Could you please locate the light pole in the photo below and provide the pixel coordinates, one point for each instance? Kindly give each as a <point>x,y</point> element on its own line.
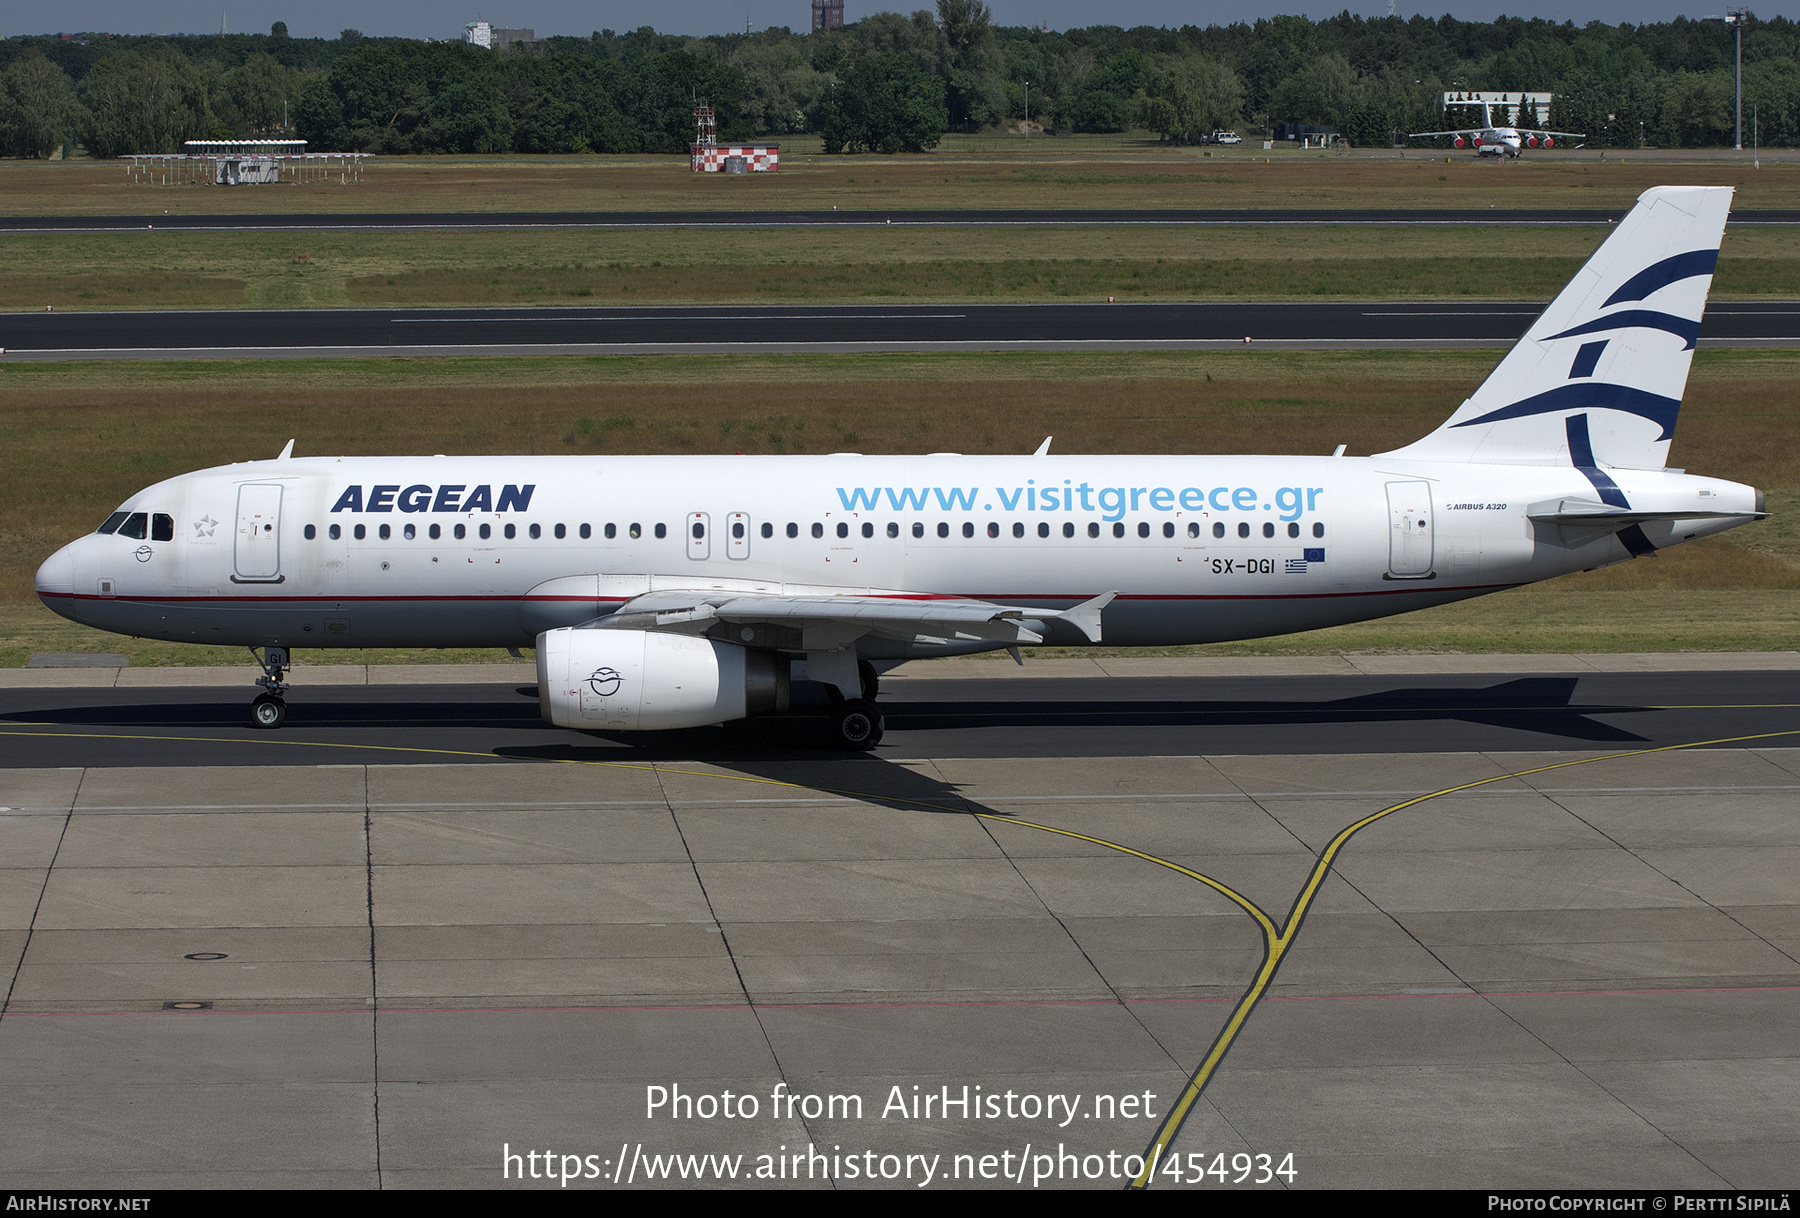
<point>1734,17</point>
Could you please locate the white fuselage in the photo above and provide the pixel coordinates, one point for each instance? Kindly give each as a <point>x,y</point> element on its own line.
<point>416,551</point>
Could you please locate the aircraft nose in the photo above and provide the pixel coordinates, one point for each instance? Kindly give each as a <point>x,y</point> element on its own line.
<point>56,580</point>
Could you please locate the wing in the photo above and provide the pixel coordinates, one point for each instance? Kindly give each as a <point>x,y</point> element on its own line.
<point>829,622</point>
<point>1561,135</point>
<point>1419,135</point>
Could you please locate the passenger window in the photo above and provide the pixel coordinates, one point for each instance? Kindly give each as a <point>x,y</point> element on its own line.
<point>487,531</point>
<point>893,529</point>
<point>636,530</point>
<point>611,531</point>
<point>1043,530</point>
<point>437,531</point>
<point>334,532</point>
<point>136,525</point>
<point>943,528</point>
<point>843,530</point>
<point>587,531</point>
<point>112,522</point>
<point>793,530</point>
<point>918,528</point>
<point>1268,530</point>
<point>1318,530</point>
<point>699,530</point>
<point>1219,528</point>
<point>1093,529</point>
<point>1243,530</point>
<point>309,532</point>
<point>993,528</point>
<point>562,531</point>
<point>512,531</point>
<point>868,529</point>
<point>386,532</point>
<point>1293,530</point>
<point>410,532</point>
<point>737,530</point>
<point>1018,530</point>
<point>1119,529</point>
<point>662,531</point>
<point>818,530</point>
<point>1168,529</point>
<point>768,530</point>
<point>1068,528</point>
<point>1193,528</point>
<point>1143,528</point>
<point>361,532</point>
<point>162,527</point>
<point>461,531</point>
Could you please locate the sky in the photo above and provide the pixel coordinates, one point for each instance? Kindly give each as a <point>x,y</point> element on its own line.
<point>432,19</point>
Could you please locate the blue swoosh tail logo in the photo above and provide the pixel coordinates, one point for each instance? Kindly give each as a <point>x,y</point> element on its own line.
<point>1662,274</point>
<point>1591,396</point>
<point>1648,319</point>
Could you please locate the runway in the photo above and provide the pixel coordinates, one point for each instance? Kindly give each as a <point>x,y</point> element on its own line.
<point>947,218</point>
<point>1465,930</point>
<point>815,328</point>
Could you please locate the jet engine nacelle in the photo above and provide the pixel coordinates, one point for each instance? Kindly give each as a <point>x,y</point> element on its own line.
<point>1459,141</point>
<point>1549,142</point>
<point>1478,141</point>
<point>1531,142</point>
<point>640,680</point>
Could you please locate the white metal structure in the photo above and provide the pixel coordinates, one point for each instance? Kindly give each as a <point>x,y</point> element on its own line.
<point>643,619</point>
<point>1493,139</point>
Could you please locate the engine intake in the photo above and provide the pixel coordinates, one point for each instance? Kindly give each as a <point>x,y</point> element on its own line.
<point>640,680</point>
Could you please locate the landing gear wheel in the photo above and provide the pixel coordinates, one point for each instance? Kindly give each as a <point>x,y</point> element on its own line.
<point>268,711</point>
<point>856,725</point>
<point>871,680</point>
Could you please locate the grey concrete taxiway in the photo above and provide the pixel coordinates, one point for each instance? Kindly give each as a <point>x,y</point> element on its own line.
<point>340,966</point>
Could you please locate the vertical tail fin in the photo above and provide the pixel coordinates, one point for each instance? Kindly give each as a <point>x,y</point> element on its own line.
<point>1614,347</point>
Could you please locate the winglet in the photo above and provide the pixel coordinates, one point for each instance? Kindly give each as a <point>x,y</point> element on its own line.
<point>1043,450</point>
<point>1086,616</point>
<point>286,452</point>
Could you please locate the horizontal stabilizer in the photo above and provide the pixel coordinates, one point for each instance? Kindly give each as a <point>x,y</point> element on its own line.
<point>1595,514</point>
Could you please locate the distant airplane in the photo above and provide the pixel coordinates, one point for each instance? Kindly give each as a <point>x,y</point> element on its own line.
<point>1501,141</point>
<point>672,592</point>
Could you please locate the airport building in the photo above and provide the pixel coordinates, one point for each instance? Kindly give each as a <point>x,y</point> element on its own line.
<point>827,15</point>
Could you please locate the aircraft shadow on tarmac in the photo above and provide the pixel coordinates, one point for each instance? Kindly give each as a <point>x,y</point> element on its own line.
<point>1539,705</point>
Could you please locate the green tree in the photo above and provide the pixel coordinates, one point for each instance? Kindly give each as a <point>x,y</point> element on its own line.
<point>1188,98</point>
<point>884,103</point>
<point>972,86</point>
<point>37,107</point>
<point>143,101</point>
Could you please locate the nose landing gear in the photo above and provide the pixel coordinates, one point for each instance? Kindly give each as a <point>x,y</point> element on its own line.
<point>269,709</point>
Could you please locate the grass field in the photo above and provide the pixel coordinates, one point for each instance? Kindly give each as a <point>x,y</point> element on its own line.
<point>76,439</point>
<point>1055,173</point>
<point>170,270</point>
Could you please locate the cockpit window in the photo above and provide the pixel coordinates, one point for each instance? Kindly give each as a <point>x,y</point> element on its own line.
<point>113,522</point>
<point>136,525</point>
<point>162,527</point>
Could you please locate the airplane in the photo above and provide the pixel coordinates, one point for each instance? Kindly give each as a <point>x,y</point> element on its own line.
<point>1501,141</point>
<point>677,591</point>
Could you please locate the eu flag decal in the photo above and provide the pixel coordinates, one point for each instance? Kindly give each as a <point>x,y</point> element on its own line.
<point>1317,555</point>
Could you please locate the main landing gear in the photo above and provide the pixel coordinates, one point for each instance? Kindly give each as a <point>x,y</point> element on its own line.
<point>269,709</point>
<point>856,723</point>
